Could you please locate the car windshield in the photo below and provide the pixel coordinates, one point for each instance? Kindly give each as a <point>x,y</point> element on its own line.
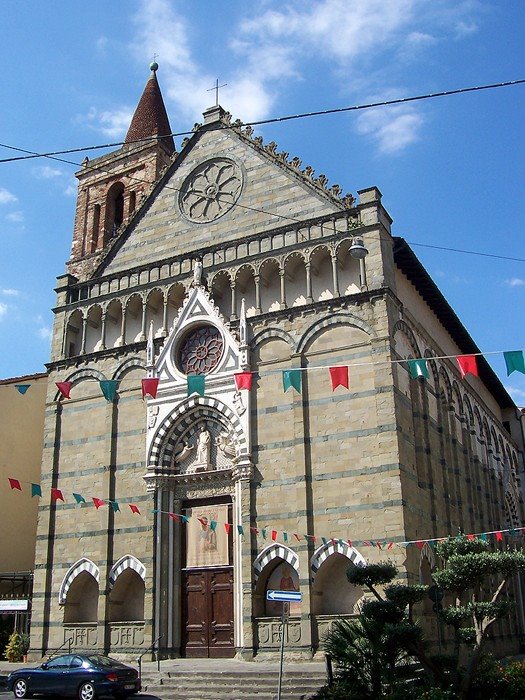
<point>103,661</point>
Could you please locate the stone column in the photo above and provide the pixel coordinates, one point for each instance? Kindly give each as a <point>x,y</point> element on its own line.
<point>83,341</point>
<point>242,560</point>
<point>308,268</point>
<point>283,290</point>
<point>122,340</point>
<point>233,314</point>
<point>362,274</point>
<point>334,274</point>
<point>257,280</point>
<point>103,332</point>
<point>143,328</point>
<point>164,329</point>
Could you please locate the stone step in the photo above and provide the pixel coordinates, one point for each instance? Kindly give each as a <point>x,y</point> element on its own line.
<point>228,685</point>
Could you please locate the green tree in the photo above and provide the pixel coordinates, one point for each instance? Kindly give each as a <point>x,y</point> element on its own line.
<point>477,578</point>
<point>373,651</point>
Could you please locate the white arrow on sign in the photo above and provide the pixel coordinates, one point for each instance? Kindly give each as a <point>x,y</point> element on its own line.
<point>285,596</point>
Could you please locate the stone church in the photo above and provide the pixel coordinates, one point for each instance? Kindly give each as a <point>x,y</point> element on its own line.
<point>227,260</point>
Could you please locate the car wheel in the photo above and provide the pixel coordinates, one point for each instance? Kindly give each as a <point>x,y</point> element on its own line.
<point>20,689</point>
<point>87,691</point>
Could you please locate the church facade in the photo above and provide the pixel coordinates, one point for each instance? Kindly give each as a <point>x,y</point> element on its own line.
<point>236,278</point>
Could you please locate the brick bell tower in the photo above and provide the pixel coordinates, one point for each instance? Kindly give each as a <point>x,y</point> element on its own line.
<point>111,187</point>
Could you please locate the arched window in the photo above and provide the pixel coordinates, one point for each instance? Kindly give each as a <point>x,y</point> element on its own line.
<point>276,568</point>
<point>114,210</point>
<point>79,592</point>
<point>332,594</point>
<point>126,599</point>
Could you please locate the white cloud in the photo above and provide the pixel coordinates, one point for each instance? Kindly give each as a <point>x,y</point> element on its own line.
<point>392,128</point>
<point>517,394</point>
<point>3,310</point>
<point>44,332</point>
<point>71,189</point>
<point>46,172</point>
<point>15,217</point>
<point>6,197</point>
<point>10,292</point>
<point>112,123</point>
<point>515,282</point>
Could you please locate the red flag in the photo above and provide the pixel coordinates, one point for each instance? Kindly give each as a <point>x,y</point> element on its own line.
<point>14,484</point>
<point>470,537</point>
<point>98,502</point>
<point>467,364</point>
<point>420,544</point>
<point>390,545</point>
<point>243,380</point>
<point>56,495</point>
<point>64,388</point>
<point>150,386</point>
<point>174,516</point>
<point>499,536</point>
<point>339,377</point>
<point>296,536</point>
<point>134,508</point>
<point>349,543</point>
<point>274,535</point>
<point>227,527</point>
<point>203,522</point>
<point>254,530</point>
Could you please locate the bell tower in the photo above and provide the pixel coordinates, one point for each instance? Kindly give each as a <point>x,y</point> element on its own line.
<point>111,187</point>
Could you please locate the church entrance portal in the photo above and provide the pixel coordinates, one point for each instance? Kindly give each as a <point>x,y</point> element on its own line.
<point>207,583</point>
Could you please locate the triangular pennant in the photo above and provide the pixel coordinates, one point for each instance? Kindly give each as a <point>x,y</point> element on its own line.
<point>98,502</point>
<point>134,508</point>
<point>418,369</point>
<point>499,536</point>
<point>254,530</point>
<point>514,361</point>
<point>296,536</point>
<point>292,377</point>
<point>338,377</point>
<point>390,545</point>
<point>213,525</point>
<point>56,495</point>
<point>78,498</point>
<point>36,490</point>
<point>349,543</point>
<point>149,387</point>
<point>174,516</point>
<point>14,484</point>
<point>203,522</point>
<point>285,536</point>
<point>115,506</point>
<point>324,540</point>
<point>274,535</point>
<point>263,533</point>
<point>196,384</point>
<point>483,536</point>
<point>243,380</point>
<point>470,537</point>
<point>467,365</point>
<point>22,388</point>
<point>420,544</point>
<point>240,529</point>
<point>109,388</point>
<point>184,518</point>
<point>64,388</point>
<point>227,527</point>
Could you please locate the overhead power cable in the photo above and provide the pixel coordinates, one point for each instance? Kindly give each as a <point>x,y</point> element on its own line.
<point>273,120</point>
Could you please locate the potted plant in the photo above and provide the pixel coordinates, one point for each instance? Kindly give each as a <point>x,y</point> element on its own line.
<point>13,651</point>
<point>25,646</point>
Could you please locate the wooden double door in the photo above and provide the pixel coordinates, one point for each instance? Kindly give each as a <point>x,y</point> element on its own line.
<point>207,612</point>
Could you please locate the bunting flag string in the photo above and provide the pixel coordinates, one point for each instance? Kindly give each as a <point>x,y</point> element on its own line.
<point>292,378</point>
<point>57,495</point>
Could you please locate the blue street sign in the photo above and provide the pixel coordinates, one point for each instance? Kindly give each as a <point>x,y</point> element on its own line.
<point>285,596</point>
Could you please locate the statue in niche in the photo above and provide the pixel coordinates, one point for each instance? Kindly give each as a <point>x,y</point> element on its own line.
<point>226,445</point>
<point>203,447</point>
<point>197,273</point>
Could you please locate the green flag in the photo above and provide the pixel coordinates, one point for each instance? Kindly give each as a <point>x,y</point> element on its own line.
<point>292,377</point>
<point>109,388</point>
<point>78,498</point>
<point>115,506</point>
<point>418,368</point>
<point>36,490</point>
<point>196,383</point>
<point>514,361</point>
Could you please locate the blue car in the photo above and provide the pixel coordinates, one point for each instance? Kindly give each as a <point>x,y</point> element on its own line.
<point>85,676</point>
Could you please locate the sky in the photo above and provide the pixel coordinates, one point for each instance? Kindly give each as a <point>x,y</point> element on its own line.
<point>450,169</point>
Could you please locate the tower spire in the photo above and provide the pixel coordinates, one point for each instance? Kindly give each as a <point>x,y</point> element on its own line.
<point>150,118</point>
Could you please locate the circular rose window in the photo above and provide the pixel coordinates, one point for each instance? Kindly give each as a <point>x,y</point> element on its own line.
<point>200,351</point>
<point>211,190</point>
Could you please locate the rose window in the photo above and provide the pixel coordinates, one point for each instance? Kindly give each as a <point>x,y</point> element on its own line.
<point>211,190</point>
<point>201,350</point>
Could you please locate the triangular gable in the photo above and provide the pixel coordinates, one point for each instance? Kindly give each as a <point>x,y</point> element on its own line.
<point>197,310</point>
<point>272,193</point>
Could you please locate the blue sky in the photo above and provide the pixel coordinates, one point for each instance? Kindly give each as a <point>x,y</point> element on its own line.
<point>450,169</point>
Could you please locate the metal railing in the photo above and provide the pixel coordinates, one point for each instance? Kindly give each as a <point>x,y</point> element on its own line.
<point>150,648</point>
<point>68,641</point>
